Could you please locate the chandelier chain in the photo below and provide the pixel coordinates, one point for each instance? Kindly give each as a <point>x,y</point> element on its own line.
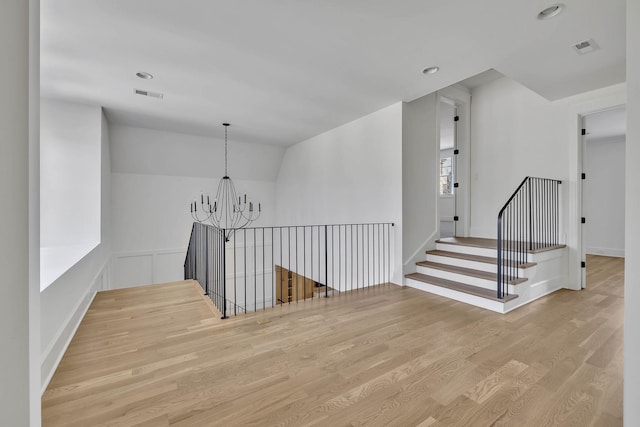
<point>226,126</point>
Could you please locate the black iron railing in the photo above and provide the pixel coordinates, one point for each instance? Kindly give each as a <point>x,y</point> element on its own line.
<point>205,262</point>
<point>529,221</point>
<point>258,268</point>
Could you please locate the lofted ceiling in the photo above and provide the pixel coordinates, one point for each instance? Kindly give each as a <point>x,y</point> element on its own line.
<point>282,71</point>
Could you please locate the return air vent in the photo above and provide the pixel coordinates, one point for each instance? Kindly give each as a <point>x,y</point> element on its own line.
<point>147,93</point>
<point>585,46</point>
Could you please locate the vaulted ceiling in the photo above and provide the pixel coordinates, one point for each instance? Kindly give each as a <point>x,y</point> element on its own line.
<point>282,71</point>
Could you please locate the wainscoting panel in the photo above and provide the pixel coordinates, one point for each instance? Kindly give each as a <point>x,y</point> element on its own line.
<point>147,267</point>
<point>169,266</point>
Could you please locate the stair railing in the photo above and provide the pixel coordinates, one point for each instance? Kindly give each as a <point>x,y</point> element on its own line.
<point>205,262</point>
<point>528,222</point>
<point>261,267</point>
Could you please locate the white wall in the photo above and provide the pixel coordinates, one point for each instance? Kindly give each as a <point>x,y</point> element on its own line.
<point>632,246</point>
<point>420,171</point>
<point>518,133</point>
<point>69,149</point>
<point>65,301</point>
<point>14,223</point>
<point>155,152</point>
<point>156,175</point>
<point>34,213</point>
<point>351,174</point>
<point>604,196</point>
<point>152,223</point>
<point>69,185</point>
<point>515,133</point>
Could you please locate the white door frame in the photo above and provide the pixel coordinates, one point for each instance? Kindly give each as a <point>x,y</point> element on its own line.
<point>462,100</point>
<point>581,186</point>
<point>613,97</point>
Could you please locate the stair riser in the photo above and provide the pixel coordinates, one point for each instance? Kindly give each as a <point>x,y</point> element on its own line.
<point>457,277</point>
<point>475,265</point>
<point>469,250</point>
<point>457,262</point>
<point>488,304</point>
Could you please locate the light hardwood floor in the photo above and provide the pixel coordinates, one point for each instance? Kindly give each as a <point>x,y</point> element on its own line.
<point>157,356</point>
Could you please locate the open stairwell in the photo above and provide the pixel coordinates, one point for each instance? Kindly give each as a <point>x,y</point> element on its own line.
<point>465,269</point>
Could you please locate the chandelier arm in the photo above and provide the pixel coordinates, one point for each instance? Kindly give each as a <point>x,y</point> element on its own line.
<point>205,208</point>
<point>250,215</point>
<point>238,207</point>
<point>227,216</point>
<point>234,195</point>
<point>216,218</point>
<point>196,217</point>
<point>231,218</point>
<point>246,222</point>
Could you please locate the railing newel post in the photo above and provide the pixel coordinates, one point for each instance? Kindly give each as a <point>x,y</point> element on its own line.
<point>223,242</point>
<point>326,264</point>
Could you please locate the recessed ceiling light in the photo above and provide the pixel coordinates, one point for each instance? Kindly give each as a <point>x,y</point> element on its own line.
<point>144,75</point>
<point>430,70</point>
<point>551,11</point>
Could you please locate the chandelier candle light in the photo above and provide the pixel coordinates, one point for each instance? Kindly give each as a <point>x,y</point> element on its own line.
<point>228,210</point>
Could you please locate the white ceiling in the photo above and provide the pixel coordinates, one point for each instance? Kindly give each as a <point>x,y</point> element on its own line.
<point>281,71</point>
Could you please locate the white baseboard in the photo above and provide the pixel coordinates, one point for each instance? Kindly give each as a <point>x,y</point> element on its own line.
<point>52,355</point>
<point>606,252</point>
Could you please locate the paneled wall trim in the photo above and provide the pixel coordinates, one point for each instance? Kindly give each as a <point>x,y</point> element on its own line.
<point>147,267</point>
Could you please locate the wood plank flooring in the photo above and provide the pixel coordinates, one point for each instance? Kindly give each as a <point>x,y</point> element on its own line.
<point>158,356</point>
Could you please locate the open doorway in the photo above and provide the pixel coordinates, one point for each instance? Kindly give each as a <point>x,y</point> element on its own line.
<point>603,189</point>
<point>454,162</point>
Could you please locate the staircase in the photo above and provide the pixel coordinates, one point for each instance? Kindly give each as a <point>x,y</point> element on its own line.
<point>465,269</point>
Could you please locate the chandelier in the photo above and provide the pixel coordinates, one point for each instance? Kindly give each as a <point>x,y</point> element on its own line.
<point>228,210</point>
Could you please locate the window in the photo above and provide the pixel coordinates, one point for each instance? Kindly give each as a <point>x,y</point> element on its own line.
<point>446,176</point>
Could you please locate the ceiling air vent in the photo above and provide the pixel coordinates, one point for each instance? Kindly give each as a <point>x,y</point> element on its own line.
<point>585,46</point>
<point>147,93</point>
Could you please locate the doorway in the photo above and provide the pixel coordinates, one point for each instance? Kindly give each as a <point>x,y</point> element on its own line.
<point>447,167</point>
<point>454,162</point>
<point>603,186</point>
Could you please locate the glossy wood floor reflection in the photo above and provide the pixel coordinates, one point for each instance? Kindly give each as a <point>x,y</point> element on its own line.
<point>155,356</point>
